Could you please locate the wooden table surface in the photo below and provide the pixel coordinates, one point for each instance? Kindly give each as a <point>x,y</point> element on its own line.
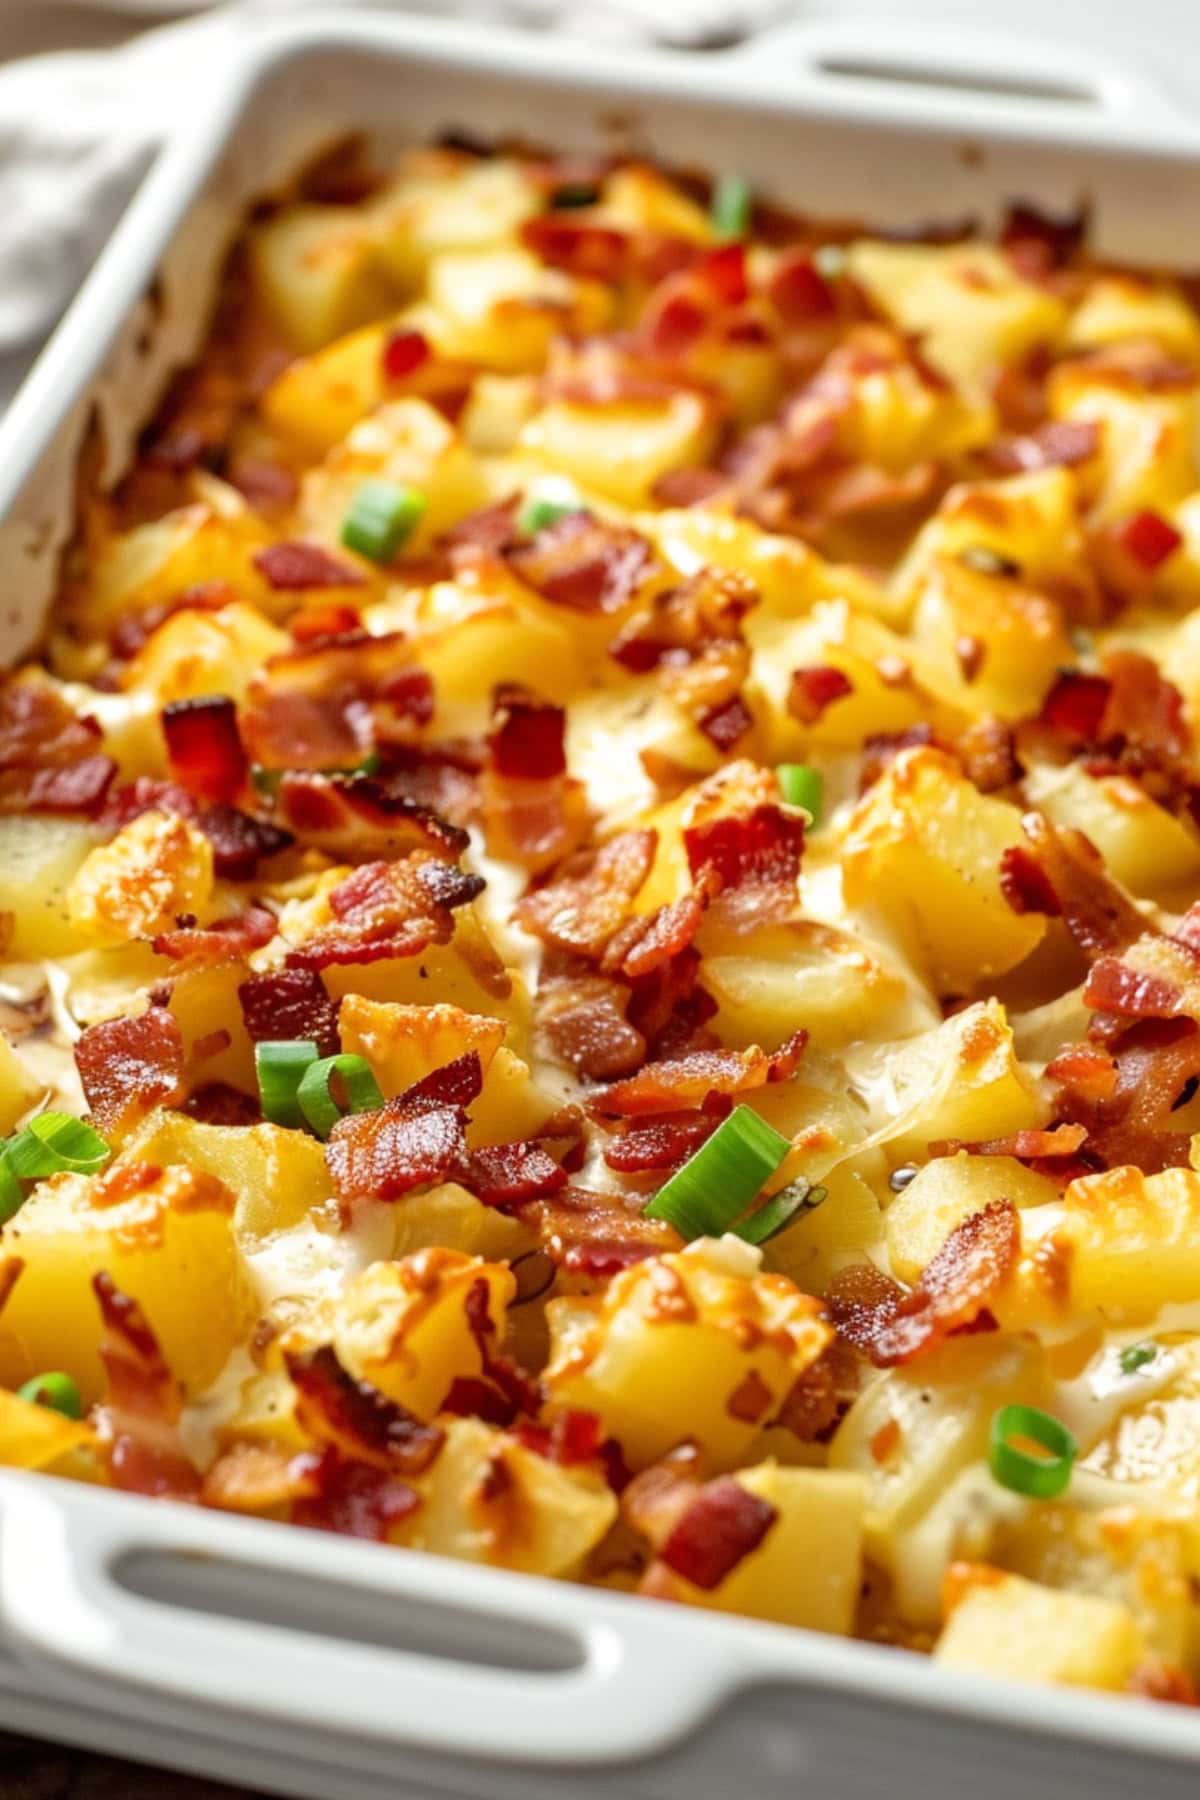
<point>33,1771</point>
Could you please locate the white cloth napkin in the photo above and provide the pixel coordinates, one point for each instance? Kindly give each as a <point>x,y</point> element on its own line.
<point>78,129</point>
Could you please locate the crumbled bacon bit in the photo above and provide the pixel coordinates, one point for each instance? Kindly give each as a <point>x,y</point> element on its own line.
<point>1086,1072</point>
<point>204,747</point>
<point>471,1397</point>
<point>648,941</point>
<point>291,567</point>
<point>220,1104</point>
<point>572,1437</point>
<point>659,1143</point>
<point>593,252</point>
<point>364,815</point>
<point>225,940</point>
<point>1037,243</point>
<point>389,910</point>
<point>1025,1146</point>
<point>528,736</point>
<point>798,291</point>
<point>533,811</point>
<point>591,894</point>
<point>688,1081</point>
<point>329,619</point>
<point>749,858</point>
<point>268,487</point>
<point>139,1423</point>
<point>1159,1680</point>
<point>723,1524</point>
<point>584,563</point>
<point>48,755</point>
<point>356,1418</point>
<point>507,1174</point>
<point>506,1374</point>
<point>240,841</point>
<point>128,1065</point>
<point>403,351</point>
<point>583,1020</point>
<point>325,705</point>
<point>290,1004</point>
<point>416,1138</point>
<point>725,724</point>
<point>1149,538</point>
<point>355,1500</point>
<point>815,689</point>
<point>1061,443</point>
<point>1063,873</point>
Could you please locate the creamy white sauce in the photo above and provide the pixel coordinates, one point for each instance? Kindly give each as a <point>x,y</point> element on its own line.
<point>317,1264</point>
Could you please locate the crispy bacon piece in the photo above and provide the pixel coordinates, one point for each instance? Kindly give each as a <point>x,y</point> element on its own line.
<point>813,690</point>
<point>356,1418</point>
<point>1076,705</point>
<point>128,1065</point>
<point>660,1143</point>
<point>746,849</point>
<point>1144,708</point>
<point>290,1003</point>
<point>355,1500</point>
<point>583,1021</point>
<point>240,841</point>
<point>403,351</point>
<point>797,290</point>
<point>572,1438</point>
<point>225,940</point>
<point>1157,1063</point>
<point>49,759</point>
<point>488,532</point>
<point>584,563</point>
<point>325,705</point>
<point>1025,1146</point>
<point>595,252</point>
<point>955,1290</point>
<point>533,811</point>
<point>723,725</point>
<point>597,1235</point>
<point>820,1396</point>
<point>692,635</point>
<point>389,910</point>
<point>591,894</point>
<point>685,1082</point>
<point>472,1397</point>
<point>415,1138</point>
<point>289,567</point>
<point>139,1423</point>
<point>1085,1072</point>
<point>505,1175</point>
<point>363,815</point>
<point>253,1477</point>
<point>1149,538</point>
<point>1064,874</point>
<point>1159,1680</point>
<point>1060,443</point>
<point>723,1524</point>
<point>1037,243</point>
<point>648,941</point>
<point>328,619</point>
<point>204,747</point>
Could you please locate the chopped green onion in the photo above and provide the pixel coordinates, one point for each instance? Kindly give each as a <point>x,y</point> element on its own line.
<point>780,1210</point>
<point>1040,1477</point>
<point>717,1183</point>
<point>802,785</point>
<point>315,1095</point>
<point>731,206</point>
<point>1135,1356</point>
<point>55,1390</point>
<point>266,781</point>
<point>536,515</point>
<point>382,514</point>
<point>573,194</point>
<point>52,1142</point>
<point>12,1194</point>
<point>829,260</point>
<point>369,765</point>
<point>279,1064</point>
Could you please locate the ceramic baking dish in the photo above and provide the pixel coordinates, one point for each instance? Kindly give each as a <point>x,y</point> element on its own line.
<point>305,1664</point>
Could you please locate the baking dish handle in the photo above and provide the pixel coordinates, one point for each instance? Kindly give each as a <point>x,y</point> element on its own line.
<point>925,68</point>
<point>128,1599</point>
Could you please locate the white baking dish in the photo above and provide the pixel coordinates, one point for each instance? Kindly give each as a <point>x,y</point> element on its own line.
<point>309,1665</point>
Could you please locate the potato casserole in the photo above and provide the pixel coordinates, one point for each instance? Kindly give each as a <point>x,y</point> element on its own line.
<point>596,880</point>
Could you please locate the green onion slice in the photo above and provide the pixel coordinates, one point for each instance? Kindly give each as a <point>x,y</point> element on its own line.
<point>536,515</point>
<point>574,194</point>
<point>382,514</point>
<point>265,781</point>
<point>279,1064</point>
<point>1025,1472</point>
<point>315,1094</point>
<point>802,785</point>
<point>52,1142</point>
<point>731,206</point>
<point>780,1210</point>
<point>55,1390</point>
<point>716,1184</point>
<point>1135,1356</point>
<point>12,1195</point>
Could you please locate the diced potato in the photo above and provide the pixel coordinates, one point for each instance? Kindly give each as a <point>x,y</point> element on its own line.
<point>621,450</point>
<point>403,1326</point>
<point>847,1227</point>
<point>403,1044</point>
<point>317,269</point>
<point>1132,1241</point>
<point>1015,639</point>
<point>498,407</point>
<point>156,562</point>
<point>1030,520</point>
<point>782,1579</point>
<point>39,858</point>
<point>194,654</point>
<point>317,400</point>
<point>440,203</point>
<point>1006,1626</point>
<point>1146,848</point>
<point>33,1436</point>
<point>960,1080</point>
<point>278,1178</point>
<point>169,1244</point>
<point>1147,454</point>
<point>924,847</point>
<point>488,1499</point>
<point>216,1044</point>
<point>502,306</point>
<point>157,866</point>
<point>662,1351</point>
<point>803,973</point>
<point>947,1191</point>
<point>19,1086</point>
<point>1117,307</point>
<point>640,198</point>
<point>789,575</point>
<point>973,312</point>
<point>407,442</point>
<point>912,1429</point>
<point>448,1215</point>
<point>898,418</point>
